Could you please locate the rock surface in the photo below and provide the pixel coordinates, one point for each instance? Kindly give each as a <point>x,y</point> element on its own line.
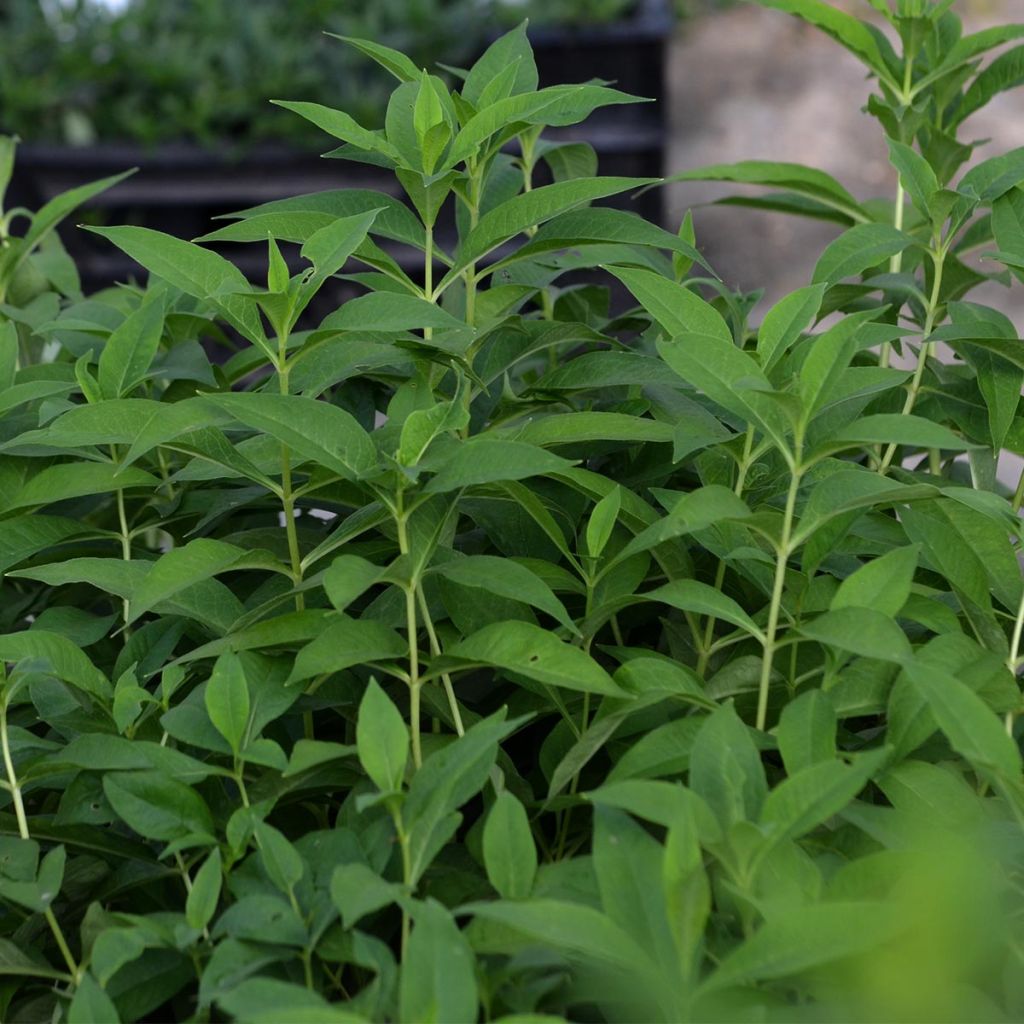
<point>750,83</point>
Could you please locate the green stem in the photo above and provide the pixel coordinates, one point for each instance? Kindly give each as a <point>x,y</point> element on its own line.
<point>62,945</point>
<point>1013,661</point>
<point>411,630</point>
<point>938,259</point>
<point>784,551</point>
<point>23,832</point>
<point>287,491</point>
<point>704,654</point>
<point>435,650</point>
<point>12,778</point>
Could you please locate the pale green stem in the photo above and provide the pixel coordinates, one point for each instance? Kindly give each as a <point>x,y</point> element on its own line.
<point>1013,661</point>
<point>709,630</point>
<point>23,832</point>
<point>12,778</point>
<point>287,492</point>
<point>774,609</point>
<point>411,629</point>
<point>922,358</point>
<point>435,649</point>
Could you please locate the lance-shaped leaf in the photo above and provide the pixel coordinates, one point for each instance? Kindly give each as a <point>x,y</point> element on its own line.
<point>528,650</point>
<point>531,208</point>
<point>130,349</point>
<point>316,431</point>
<point>195,271</point>
<point>484,460</point>
<point>803,181</point>
<point>861,247</point>
<point>506,578</point>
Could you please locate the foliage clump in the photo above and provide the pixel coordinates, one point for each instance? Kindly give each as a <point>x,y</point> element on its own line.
<point>536,638</point>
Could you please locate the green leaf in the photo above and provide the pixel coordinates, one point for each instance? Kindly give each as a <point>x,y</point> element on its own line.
<point>1005,72</point>
<point>182,568</point>
<point>799,938</point>
<point>883,583</point>
<point>482,460</point>
<point>76,480</point>
<point>48,216</point>
<point>511,49</point>
<point>393,60</point>
<point>63,657</point>
<point>901,428</point>
<point>626,858</point>
<point>804,181</point>
<point>91,1004</point>
<point>530,651</point>
<point>814,794</point>
<point>203,897</point>
<point>341,126</point>
<point>382,739</point>
<point>345,642</point>
<point>602,522</point>
<point>282,862</point>
<point>194,270</point>
<point>227,700</point>
<point>572,929</point>
<point>510,856</point>
<point>678,309</point>
<point>438,980</point>
<point>866,632</point>
<point>532,208</point>
<point>129,351</point>
<point>916,175</point>
<point>297,218</point>
<point>554,106</point>
<point>156,806</point>
<point>580,427</point>
<point>786,321</point>
<point>358,891</point>
<point>973,729</point>
<point>694,596</point>
<point>807,731</point>
<point>315,431</point>
<point>858,249</point>
<point>729,378</point>
<point>389,312</point>
<point>725,768</point>
<point>846,30</point>
<point>597,225</point>
<point>506,578</point>
<point>447,780</point>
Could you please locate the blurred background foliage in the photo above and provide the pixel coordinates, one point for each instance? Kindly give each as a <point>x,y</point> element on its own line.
<point>155,71</point>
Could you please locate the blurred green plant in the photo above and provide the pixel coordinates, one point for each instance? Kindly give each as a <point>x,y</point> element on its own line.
<point>151,72</point>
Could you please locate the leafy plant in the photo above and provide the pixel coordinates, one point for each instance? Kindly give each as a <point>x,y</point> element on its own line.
<point>153,72</point>
<point>488,650</point>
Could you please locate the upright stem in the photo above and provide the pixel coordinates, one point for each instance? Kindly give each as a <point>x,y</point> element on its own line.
<point>470,271</point>
<point>938,259</point>
<point>12,778</point>
<point>784,551</point>
<point>709,630</point>
<point>126,544</point>
<point>411,629</point>
<point>435,649</point>
<point>1013,661</point>
<point>287,493</point>
<point>23,832</point>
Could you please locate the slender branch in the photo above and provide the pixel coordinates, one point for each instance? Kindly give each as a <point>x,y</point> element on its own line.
<point>785,549</point>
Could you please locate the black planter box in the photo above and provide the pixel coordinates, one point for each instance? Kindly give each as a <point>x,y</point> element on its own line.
<point>179,187</point>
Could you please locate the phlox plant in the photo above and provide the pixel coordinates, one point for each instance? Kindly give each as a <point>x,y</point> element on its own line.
<point>552,633</point>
